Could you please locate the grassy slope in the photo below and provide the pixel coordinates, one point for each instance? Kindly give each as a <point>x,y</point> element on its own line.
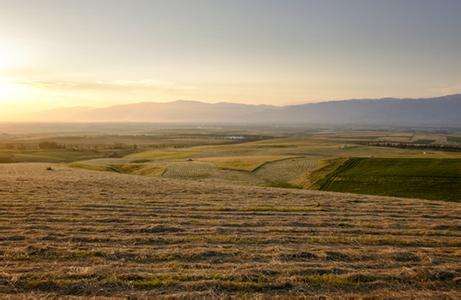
<point>244,163</point>
<point>9,156</point>
<point>404,177</point>
<point>160,155</point>
<point>77,232</point>
<point>289,172</point>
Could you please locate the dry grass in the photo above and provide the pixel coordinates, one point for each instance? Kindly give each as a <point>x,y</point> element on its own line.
<point>161,155</point>
<point>189,170</point>
<point>295,171</point>
<point>78,232</point>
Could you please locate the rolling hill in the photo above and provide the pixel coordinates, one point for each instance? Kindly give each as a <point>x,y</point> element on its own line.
<point>68,232</point>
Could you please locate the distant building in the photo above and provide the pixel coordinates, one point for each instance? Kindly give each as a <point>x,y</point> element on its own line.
<point>236,137</point>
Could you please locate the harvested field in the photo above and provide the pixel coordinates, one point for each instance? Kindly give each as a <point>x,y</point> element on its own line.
<point>244,163</point>
<point>78,232</point>
<point>294,171</point>
<point>189,170</point>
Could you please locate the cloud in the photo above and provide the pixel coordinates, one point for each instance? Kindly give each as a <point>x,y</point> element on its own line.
<point>123,85</point>
<point>449,89</point>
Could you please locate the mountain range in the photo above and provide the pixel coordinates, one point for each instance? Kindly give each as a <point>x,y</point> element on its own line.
<point>437,111</point>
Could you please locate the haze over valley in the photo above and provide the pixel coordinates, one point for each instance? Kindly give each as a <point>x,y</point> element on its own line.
<point>439,111</point>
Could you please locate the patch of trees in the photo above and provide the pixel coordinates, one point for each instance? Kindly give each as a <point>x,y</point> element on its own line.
<point>404,145</point>
<point>15,146</point>
<point>47,145</point>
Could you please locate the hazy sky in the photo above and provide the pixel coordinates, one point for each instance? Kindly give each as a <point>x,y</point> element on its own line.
<point>96,53</point>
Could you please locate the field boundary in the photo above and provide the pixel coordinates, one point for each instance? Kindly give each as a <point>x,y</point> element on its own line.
<point>348,164</point>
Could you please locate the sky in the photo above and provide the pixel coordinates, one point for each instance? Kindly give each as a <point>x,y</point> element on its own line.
<point>65,53</point>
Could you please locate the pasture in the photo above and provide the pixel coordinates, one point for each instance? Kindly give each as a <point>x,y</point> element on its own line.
<point>427,178</point>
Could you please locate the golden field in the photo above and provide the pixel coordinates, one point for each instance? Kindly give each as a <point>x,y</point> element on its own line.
<point>74,232</point>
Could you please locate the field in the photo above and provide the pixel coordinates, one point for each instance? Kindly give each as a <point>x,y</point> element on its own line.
<point>57,155</point>
<point>289,172</point>
<point>310,162</point>
<point>427,178</point>
<point>454,139</point>
<point>393,163</point>
<point>70,231</point>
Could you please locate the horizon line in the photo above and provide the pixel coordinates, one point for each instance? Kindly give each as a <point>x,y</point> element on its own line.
<point>262,104</point>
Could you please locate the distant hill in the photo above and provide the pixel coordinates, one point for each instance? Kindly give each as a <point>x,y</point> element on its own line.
<point>439,111</point>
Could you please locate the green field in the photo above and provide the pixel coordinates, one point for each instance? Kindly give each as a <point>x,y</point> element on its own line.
<point>454,139</point>
<point>427,178</point>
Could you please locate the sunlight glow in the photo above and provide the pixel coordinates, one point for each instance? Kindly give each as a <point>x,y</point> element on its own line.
<point>6,58</point>
<point>13,56</point>
<point>6,89</point>
<point>12,59</point>
<point>10,90</point>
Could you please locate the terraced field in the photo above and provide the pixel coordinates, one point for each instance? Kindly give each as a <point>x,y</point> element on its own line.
<point>78,232</point>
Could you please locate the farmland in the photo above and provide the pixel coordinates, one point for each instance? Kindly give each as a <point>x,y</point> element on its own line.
<point>304,162</point>
<point>179,214</point>
<point>12,156</point>
<point>69,231</point>
<point>404,177</point>
<point>266,157</point>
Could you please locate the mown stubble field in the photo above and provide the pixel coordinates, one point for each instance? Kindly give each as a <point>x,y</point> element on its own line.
<point>87,233</point>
